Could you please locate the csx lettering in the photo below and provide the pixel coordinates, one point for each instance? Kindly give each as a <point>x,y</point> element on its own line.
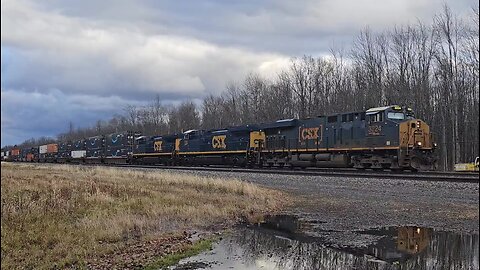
<point>309,133</point>
<point>157,146</point>
<point>218,142</point>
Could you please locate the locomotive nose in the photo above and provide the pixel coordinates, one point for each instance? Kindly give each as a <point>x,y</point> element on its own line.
<point>419,134</point>
<point>416,134</point>
<point>417,144</point>
<point>423,136</point>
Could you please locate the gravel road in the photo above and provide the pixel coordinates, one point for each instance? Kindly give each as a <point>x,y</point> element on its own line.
<point>348,204</point>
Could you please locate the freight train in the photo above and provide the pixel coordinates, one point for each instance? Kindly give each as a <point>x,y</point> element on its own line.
<point>389,137</point>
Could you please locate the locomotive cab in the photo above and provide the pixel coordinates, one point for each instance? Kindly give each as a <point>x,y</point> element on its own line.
<point>397,127</point>
<point>412,132</point>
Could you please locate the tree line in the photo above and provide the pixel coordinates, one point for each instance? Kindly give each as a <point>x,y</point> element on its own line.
<point>431,67</point>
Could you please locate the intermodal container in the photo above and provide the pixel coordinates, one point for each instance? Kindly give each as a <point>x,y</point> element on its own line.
<point>95,146</point>
<point>6,155</point>
<point>119,144</point>
<point>15,152</point>
<point>29,157</point>
<point>64,149</point>
<point>52,148</point>
<point>34,152</point>
<point>78,145</point>
<point>79,154</point>
<point>42,149</point>
<point>23,154</point>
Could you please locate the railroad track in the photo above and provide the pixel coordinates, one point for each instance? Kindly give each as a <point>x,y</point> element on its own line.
<point>343,172</point>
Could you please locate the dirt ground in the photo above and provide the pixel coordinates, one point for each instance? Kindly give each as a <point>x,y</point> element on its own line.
<point>349,204</point>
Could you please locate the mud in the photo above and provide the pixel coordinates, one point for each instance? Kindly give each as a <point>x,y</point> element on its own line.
<point>356,223</point>
<point>281,243</point>
<point>348,203</point>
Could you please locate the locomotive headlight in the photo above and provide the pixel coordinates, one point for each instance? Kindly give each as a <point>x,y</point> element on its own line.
<point>435,145</point>
<point>419,144</point>
<point>418,124</point>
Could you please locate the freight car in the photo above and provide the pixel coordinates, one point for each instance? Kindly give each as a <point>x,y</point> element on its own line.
<point>110,148</point>
<point>14,155</point>
<point>119,147</point>
<point>48,153</point>
<point>78,151</point>
<point>64,152</point>
<point>95,149</point>
<point>29,154</point>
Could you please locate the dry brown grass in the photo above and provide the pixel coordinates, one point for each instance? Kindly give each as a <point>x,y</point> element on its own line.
<point>55,216</point>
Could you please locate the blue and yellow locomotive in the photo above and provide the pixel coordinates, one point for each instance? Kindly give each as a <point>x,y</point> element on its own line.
<point>380,138</point>
<point>387,137</point>
<point>231,146</point>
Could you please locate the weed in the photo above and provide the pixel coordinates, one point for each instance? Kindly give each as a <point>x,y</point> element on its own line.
<point>59,216</point>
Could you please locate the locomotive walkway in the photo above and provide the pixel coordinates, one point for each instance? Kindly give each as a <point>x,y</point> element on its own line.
<point>338,172</point>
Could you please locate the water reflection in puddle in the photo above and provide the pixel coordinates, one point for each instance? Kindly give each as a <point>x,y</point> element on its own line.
<point>277,244</point>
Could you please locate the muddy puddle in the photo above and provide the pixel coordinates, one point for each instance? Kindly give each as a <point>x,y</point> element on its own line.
<point>284,242</point>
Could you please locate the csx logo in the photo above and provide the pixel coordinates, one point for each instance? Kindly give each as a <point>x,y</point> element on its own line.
<point>218,142</point>
<point>157,146</point>
<point>309,133</point>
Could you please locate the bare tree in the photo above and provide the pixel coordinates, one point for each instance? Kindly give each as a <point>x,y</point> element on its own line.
<point>433,68</point>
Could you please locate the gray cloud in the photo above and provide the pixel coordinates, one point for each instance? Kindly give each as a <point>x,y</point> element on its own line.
<point>78,55</point>
<point>34,114</point>
<point>287,27</point>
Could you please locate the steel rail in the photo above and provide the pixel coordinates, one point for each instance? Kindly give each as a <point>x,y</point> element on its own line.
<point>425,176</point>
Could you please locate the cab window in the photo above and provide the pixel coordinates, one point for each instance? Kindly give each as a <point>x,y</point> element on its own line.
<point>332,119</point>
<point>378,117</point>
<point>410,115</point>
<point>396,115</point>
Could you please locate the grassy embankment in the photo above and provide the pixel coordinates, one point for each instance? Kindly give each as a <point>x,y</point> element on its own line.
<point>59,216</point>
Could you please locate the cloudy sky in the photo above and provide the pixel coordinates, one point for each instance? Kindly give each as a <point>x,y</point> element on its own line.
<point>85,60</point>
